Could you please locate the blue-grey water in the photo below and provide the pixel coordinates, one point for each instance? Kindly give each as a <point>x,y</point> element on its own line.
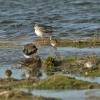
<point>93,94</point>
<point>69,18</point>
<point>69,94</point>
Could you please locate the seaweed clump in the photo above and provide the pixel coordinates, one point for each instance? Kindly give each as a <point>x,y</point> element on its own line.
<point>51,65</point>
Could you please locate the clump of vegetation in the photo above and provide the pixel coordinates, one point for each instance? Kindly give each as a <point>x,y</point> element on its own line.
<point>91,72</point>
<point>49,61</point>
<point>70,59</point>
<point>51,64</point>
<point>76,65</point>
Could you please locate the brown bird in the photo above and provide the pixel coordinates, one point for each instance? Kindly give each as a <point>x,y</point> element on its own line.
<point>29,50</point>
<point>8,73</point>
<point>32,62</point>
<point>42,30</point>
<point>53,42</point>
<point>33,65</point>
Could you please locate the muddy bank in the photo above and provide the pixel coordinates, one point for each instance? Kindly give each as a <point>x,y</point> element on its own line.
<point>9,44</point>
<point>64,82</point>
<point>53,82</point>
<point>9,89</point>
<point>15,95</point>
<point>83,42</point>
<point>80,43</point>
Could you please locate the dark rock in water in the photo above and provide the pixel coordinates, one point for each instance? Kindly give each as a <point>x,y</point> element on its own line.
<point>30,49</point>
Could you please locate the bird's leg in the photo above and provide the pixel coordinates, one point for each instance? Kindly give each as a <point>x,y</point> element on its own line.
<point>57,54</point>
<point>42,40</point>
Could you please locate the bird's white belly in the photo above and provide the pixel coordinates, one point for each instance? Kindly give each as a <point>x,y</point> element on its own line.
<point>88,65</point>
<point>53,44</point>
<point>39,33</point>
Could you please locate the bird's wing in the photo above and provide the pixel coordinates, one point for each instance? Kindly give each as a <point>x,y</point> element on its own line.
<point>45,30</point>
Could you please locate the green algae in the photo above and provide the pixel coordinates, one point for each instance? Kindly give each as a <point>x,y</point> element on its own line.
<point>51,64</point>
<point>56,81</point>
<point>9,44</point>
<point>64,82</point>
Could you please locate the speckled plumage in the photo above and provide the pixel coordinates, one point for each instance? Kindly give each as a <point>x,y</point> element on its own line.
<point>32,62</point>
<point>29,49</point>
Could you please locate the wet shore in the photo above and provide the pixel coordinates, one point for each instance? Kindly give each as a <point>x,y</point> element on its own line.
<point>64,78</point>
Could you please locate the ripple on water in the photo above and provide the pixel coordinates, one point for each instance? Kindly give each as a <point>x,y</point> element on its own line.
<point>70,15</point>
<point>9,55</point>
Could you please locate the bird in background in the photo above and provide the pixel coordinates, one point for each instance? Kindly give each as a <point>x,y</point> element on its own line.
<point>43,31</point>
<point>53,42</point>
<point>46,31</point>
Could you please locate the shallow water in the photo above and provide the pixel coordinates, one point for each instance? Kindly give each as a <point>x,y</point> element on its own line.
<point>66,51</point>
<point>68,94</point>
<point>84,78</point>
